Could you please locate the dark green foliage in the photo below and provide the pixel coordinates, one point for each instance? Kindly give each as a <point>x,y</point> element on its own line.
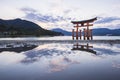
<point>20,27</point>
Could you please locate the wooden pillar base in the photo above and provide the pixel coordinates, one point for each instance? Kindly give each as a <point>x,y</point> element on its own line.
<point>73,34</point>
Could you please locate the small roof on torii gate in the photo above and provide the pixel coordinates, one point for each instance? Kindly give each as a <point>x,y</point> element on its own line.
<point>84,21</point>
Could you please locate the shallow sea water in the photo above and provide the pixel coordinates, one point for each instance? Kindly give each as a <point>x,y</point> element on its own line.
<point>57,61</point>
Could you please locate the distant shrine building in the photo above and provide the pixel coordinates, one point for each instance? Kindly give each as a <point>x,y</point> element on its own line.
<point>83,26</point>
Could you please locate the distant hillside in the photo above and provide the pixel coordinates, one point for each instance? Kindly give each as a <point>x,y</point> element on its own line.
<point>19,27</point>
<point>96,32</point>
<point>105,31</point>
<point>62,31</point>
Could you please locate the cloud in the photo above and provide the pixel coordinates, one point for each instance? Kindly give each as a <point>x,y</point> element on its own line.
<point>67,11</point>
<point>8,12</point>
<point>48,21</point>
<point>41,18</point>
<point>107,19</point>
<point>28,10</point>
<point>112,22</point>
<point>34,15</point>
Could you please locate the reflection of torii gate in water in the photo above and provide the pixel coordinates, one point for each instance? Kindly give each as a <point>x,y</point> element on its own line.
<point>87,32</point>
<point>81,47</point>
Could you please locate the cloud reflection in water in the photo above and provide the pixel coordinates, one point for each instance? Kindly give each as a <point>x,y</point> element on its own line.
<point>58,59</point>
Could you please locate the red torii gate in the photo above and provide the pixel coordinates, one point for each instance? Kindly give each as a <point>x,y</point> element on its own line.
<point>87,32</point>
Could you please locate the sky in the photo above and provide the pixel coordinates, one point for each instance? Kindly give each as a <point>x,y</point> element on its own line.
<point>51,14</point>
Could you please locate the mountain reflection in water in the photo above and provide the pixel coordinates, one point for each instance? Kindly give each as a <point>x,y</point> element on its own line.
<point>56,61</point>
<point>17,48</point>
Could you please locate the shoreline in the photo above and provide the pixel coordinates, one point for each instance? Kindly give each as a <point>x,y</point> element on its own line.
<point>59,41</point>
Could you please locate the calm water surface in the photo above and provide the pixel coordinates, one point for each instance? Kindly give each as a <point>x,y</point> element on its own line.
<point>57,61</point>
<point>62,38</point>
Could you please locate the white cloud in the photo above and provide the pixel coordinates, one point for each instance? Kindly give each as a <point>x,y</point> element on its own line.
<point>108,22</point>
<point>46,21</point>
<point>45,12</point>
<point>10,13</point>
